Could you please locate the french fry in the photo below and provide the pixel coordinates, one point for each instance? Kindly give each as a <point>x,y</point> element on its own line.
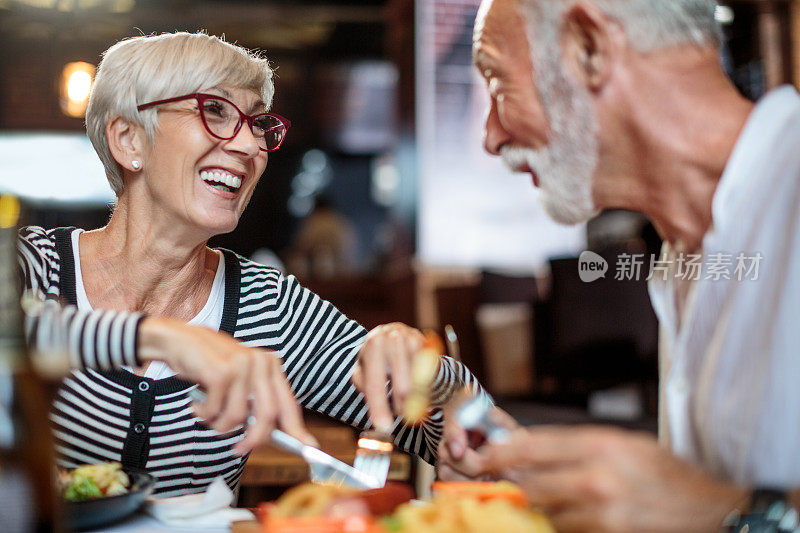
<point>448,513</point>
<point>308,499</point>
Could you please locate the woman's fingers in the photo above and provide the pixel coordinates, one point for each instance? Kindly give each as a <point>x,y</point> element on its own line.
<point>399,355</point>
<point>387,355</point>
<point>372,359</point>
<point>214,381</point>
<point>264,404</point>
<point>290,415</point>
<point>241,384</point>
<point>235,410</point>
<point>273,404</point>
<point>198,354</point>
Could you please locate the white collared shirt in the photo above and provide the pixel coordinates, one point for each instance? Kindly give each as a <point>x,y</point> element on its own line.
<point>730,349</point>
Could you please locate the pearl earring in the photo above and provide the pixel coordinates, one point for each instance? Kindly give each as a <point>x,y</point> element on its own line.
<point>136,164</point>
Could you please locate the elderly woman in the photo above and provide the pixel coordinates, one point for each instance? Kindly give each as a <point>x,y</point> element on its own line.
<point>181,124</point>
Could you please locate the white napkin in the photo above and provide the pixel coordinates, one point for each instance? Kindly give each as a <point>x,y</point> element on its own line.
<point>210,509</point>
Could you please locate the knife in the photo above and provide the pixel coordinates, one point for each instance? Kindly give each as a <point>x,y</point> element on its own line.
<point>324,468</point>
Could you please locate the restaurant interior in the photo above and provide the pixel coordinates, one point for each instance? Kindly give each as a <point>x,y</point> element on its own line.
<point>381,200</point>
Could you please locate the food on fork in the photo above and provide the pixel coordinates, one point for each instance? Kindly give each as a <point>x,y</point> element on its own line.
<point>424,368</point>
<point>89,482</point>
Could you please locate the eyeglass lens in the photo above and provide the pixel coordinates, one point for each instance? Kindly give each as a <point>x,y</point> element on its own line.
<point>221,119</point>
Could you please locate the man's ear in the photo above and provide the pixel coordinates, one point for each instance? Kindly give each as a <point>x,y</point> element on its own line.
<point>126,141</point>
<point>588,44</point>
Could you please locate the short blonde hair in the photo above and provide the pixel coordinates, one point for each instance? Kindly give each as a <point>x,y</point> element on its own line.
<point>143,69</point>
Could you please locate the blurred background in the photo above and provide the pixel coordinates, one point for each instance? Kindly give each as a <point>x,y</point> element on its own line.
<point>381,198</point>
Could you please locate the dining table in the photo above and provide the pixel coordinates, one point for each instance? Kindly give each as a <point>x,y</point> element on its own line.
<point>270,471</point>
<point>144,523</point>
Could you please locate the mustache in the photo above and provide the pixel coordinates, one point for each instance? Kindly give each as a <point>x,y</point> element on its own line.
<point>523,159</point>
<point>519,158</point>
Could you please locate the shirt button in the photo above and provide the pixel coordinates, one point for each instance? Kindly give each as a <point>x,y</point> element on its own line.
<point>138,428</point>
<point>144,386</point>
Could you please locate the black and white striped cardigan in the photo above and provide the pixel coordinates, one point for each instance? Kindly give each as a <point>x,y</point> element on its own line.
<point>103,412</point>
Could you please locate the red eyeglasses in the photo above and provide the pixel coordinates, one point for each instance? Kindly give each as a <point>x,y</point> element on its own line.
<point>223,120</point>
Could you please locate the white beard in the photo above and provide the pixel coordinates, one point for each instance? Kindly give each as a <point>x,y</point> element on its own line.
<point>564,166</point>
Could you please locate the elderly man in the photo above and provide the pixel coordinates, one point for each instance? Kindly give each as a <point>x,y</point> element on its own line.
<point>623,104</point>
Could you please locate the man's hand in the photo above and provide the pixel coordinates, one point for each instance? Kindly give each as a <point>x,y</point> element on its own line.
<point>458,458</point>
<point>230,374</point>
<point>387,355</point>
<point>603,479</point>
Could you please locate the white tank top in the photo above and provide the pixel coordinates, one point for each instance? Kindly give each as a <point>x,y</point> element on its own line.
<point>209,316</point>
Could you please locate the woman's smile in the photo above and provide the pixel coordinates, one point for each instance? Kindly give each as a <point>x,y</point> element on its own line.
<point>223,181</point>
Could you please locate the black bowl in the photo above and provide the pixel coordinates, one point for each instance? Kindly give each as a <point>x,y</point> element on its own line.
<point>103,511</point>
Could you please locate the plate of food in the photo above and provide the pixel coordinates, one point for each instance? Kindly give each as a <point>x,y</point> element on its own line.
<point>456,507</point>
<point>100,494</point>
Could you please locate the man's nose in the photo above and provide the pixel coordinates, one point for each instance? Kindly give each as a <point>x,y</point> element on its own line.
<point>494,135</point>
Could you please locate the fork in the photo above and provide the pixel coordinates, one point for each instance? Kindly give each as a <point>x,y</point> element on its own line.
<point>454,351</point>
<point>473,415</point>
<point>325,468</point>
<point>473,412</point>
<point>450,337</point>
<point>374,453</point>
<point>373,456</point>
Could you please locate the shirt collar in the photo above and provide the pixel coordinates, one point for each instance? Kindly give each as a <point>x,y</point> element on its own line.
<point>760,133</point>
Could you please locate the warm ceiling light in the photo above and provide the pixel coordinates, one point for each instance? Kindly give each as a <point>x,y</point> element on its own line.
<point>79,85</point>
<point>76,85</point>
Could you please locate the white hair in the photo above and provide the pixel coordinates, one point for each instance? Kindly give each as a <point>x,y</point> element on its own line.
<point>566,164</point>
<point>648,24</point>
<point>144,69</point>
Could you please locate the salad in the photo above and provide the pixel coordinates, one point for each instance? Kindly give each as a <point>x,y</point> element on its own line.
<point>88,482</point>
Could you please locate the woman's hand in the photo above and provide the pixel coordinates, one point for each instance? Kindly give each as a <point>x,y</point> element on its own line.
<point>386,356</point>
<point>604,479</point>
<point>230,375</point>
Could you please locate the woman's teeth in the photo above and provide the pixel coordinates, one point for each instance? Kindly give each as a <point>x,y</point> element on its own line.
<point>223,181</point>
